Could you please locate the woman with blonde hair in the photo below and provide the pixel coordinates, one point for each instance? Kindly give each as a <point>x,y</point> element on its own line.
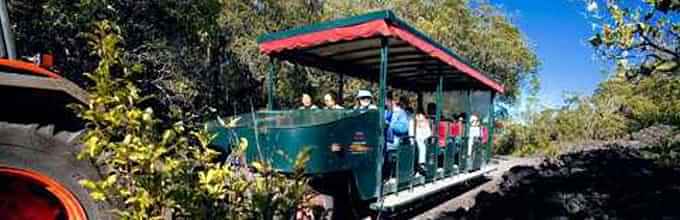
<point>419,128</point>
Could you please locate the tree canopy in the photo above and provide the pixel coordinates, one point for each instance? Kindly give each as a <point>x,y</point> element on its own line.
<point>642,39</point>
<point>201,57</point>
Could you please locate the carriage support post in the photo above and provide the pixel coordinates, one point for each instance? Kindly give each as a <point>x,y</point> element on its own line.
<point>491,127</point>
<point>270,84</point>
<point>466,159</point>
<point>438,114</point>
<point>341,89</point>
<point>384,53</point>
<point>438,119</point>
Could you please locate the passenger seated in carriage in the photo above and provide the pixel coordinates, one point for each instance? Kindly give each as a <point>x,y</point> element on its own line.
<point>458,126</point>
<point>477,132</point>
<point>405,104</point>
<point>307,103</point>
<point>364,101</point>
<point>396,120</point>
<point>419,128</point>
<point>442,128</point>
<point>396,128</point>
<point>330,102</point>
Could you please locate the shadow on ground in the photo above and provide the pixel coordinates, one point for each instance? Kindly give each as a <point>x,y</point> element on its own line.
<point>612,183</point>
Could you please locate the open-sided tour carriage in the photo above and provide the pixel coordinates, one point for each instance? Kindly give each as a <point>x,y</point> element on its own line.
<point>347,147</point>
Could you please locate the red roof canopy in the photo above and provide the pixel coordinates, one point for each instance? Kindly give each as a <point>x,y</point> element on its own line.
<point>352,46</point>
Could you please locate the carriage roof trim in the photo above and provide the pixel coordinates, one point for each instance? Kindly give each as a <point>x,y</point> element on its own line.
<point>352,46</point>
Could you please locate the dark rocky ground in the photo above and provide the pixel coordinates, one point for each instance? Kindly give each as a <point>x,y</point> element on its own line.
<point>599,181</point>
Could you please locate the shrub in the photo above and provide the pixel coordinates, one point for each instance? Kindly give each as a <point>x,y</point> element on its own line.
<point>153,169</point>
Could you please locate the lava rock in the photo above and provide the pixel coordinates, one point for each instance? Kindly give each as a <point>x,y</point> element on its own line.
<point>613,182</point>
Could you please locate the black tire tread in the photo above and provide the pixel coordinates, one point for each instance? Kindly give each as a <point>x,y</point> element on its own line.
<point>38,148</point>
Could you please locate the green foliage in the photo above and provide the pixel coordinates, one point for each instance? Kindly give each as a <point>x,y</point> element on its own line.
<point>643,91</point>
<point>616,109</point>
<point>643,41</point>
<point>183,46</point>
<point>665,155</point>
<point>156,169</point>
<point>640,38</point>
<point>198,55</point>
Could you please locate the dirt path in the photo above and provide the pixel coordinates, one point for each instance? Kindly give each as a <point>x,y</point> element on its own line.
<point>467,199</point>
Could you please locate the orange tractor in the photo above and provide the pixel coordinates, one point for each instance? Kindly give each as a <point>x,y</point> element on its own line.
<point>39,172</point>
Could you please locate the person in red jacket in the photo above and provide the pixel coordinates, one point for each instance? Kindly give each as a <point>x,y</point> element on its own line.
<point>458,125</point>
<point>443,128</point>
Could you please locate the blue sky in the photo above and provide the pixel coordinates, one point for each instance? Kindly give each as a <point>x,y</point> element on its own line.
<point>559,32</point>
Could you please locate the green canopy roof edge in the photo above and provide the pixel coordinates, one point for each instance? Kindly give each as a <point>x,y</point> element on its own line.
<point>387,15</point>
<point>325,25</point>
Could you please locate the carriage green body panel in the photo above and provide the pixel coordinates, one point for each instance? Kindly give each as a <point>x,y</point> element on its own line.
<point>405,164</point>
<point>432,149</point>
<point>450,159</point>
<point>282,135</point>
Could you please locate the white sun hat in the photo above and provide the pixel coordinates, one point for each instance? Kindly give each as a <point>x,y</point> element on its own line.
<point>364,93</point>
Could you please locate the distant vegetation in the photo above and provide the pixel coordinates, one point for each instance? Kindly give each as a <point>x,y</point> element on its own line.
<point>643,91</point>
<point>202,56</point>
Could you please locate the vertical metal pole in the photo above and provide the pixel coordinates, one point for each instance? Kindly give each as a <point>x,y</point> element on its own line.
<point>384,53</point>
<point>341,89</point>
<point>270,84</point>
<point>438,114</point>
<point>468,113</point>
<point>491,127</point>
<point>438,119</point>
<point>467,138</point>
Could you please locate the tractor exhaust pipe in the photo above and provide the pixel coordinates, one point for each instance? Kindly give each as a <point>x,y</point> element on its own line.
<point>7,49</point>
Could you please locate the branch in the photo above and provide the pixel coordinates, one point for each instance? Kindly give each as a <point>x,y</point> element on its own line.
<point>651,43</point>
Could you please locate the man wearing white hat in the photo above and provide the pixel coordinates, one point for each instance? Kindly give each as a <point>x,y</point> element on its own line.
<point>364,99</point>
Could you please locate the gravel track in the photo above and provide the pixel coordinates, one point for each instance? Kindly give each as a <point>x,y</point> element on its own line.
<point>467,199</point>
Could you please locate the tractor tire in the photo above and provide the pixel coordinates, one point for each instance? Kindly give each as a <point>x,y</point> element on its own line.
<point>37,149</point>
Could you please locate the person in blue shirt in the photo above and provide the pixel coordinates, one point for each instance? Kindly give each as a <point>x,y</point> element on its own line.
<point>397,122</point>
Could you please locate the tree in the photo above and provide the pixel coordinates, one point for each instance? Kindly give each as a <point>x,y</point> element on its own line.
<point>642,38</point>
<point>201,57</point>
<point>182,45</point>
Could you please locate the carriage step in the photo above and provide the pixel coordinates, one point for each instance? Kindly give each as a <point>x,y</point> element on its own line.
<point>394,200</point>
<point>390,186</point>
<point>439,174</point>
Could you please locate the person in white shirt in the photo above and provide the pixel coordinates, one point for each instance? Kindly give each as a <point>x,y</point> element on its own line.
<point>475,132</point>
<point>329,100</point>
<point>419,127</point>
<point>307,103</point>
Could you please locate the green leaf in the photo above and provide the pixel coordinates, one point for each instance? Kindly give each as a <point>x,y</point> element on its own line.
<point>666,66</point>
<point>88,184</point>
<point>596,40</point>
<point>98,196</point>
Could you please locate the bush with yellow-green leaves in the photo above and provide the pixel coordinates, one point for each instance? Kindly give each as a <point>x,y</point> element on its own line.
<point>153,169</point>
